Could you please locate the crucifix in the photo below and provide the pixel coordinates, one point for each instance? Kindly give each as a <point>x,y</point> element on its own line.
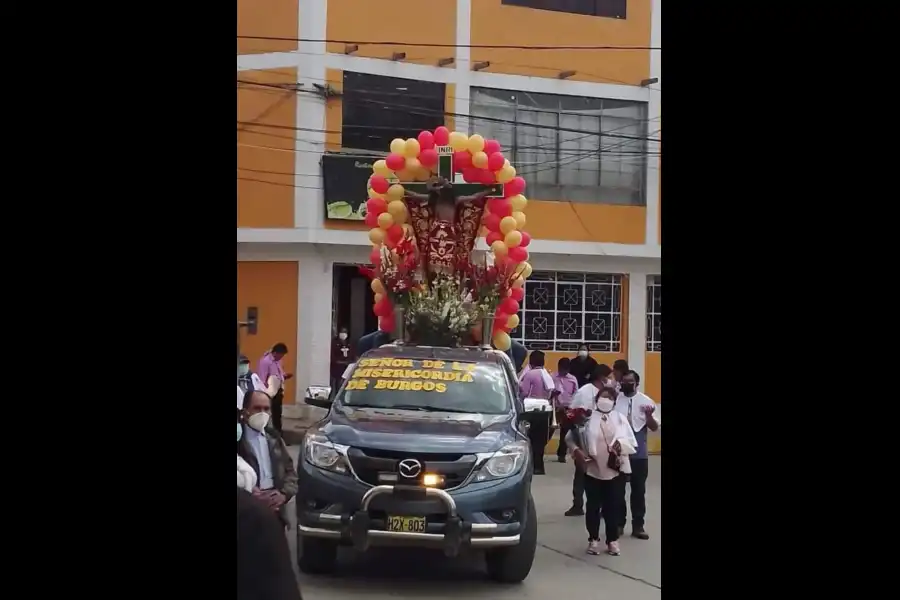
<point>446,217</point>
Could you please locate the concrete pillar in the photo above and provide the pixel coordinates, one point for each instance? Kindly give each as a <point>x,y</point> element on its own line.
<point>637,320</point>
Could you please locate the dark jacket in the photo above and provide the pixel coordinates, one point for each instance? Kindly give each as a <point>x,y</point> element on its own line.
<point>518,354</point>
<point>264,570</point>
<point>284,475</point>
<point>582,368</point>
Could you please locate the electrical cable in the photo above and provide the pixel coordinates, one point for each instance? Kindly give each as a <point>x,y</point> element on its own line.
<point>440,45</point>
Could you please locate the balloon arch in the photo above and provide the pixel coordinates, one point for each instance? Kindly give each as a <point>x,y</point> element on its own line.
<point>423,258</point>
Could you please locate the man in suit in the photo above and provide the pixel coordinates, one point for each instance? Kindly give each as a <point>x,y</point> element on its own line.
<point>264,450</point>
<point>264,570</point>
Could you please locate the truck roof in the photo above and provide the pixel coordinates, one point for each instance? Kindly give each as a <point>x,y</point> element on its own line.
<point>463,353</point>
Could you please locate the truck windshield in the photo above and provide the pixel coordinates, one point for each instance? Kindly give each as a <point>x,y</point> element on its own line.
<point>455,386</point>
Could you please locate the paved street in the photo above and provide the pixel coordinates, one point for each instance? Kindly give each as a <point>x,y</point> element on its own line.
<point>560,565</point>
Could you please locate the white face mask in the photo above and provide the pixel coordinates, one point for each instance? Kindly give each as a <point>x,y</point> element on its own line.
<point>342,336</point>
<point>258,421</point>
<point>605,405</point>
<point>243,369</point>
<point>582,353</point>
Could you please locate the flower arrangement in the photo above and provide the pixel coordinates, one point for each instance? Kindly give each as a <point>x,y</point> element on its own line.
<point>397,271</point>
<point>441,314</point>
<point>489,282</point>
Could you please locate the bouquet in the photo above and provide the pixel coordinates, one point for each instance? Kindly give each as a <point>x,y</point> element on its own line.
<point>440,314</point>
<point>578,418</point>
<point>397,270</point>
<point>488,282</point>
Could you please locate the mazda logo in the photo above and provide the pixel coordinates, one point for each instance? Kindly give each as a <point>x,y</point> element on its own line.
<point>410,468</point>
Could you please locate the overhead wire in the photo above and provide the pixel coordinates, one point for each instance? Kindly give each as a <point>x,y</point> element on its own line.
<point>440,45</point>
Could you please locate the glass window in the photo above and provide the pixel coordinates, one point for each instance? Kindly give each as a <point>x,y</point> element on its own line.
<point>614,9</point>
<point>654,313</point>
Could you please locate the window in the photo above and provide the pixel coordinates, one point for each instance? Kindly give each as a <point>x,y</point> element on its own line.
<point>614,9</point>
<point>568,147</point>
<point>564,310</point>
<point>372,117</point>
<point>654,313</point>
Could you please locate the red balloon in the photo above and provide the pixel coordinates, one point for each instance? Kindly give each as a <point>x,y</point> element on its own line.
<point>493,236</point>
<point>518,254</point>
<point>372,219</point>
<point>517,294</point>
<point>515,186</point>
<point>500,261</point>
<point>428,157</point>
<point>426,141</point>
<point>375,255</point>
<point>383,308</point>
<point>375,205</point>
<point>470,175</point>
<point>395,233</point>
<point>386,324</point>
<point>379,184</point>
<point>492,222</point>
<point>395,162</point>
<point>487,177</point>
<point>441,136</point>
<point>462,160</point>
<point>495,161</point>
<point>501,207</point>
<point>490,147</point>
<point>526,239</point>
<point>509,305</point>
<point>500,320</point>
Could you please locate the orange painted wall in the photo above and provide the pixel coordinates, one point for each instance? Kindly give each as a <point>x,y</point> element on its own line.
<point>265,155</point>
<point>651,384</point>
<point>424,21</point>
<point>499,24</point>
<point>579,222</point>
<point>272,288</point>
<point>267,18</point>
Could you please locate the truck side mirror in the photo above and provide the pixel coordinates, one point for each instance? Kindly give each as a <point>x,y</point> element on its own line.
<point>318,395</point>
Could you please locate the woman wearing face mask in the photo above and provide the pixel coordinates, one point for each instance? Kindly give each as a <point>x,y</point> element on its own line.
<point>342,356</point>
<point>246,476</point>
<point>583,365</point>
<point>609,440</point>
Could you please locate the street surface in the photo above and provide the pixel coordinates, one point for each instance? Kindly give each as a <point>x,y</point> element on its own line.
<point>560,565</point>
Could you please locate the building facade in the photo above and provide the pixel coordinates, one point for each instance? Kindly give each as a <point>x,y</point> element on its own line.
<point>319,77</point>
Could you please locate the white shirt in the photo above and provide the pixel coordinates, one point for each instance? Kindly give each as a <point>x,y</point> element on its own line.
<point>584,397</point>
<point>260,447</point>
<point>257,385</point>
<point>635,405</point>
<point>246,476</point>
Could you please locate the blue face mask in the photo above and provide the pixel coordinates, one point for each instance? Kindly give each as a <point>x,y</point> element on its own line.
<point>240,432</point>
<point>243,369</point>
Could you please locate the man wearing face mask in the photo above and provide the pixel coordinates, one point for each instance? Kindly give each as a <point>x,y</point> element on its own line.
<point>582,366</point>
<point>247,380</point>
<point>342,356</point>
<point>264,450</point>
<point>643,414</point>
<point>620,367</point>
<point>271,373</point>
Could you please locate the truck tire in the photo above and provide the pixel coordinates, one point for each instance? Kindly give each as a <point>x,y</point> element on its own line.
<point>316,556</point>
<point>512,565</point>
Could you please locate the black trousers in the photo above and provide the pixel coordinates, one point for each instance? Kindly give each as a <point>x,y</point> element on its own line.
<point>277,404</point>
<point>564,428</point>
<point>538,434</point>
<point>607,496</point>
<point>578,488</point>
<point>638,482</point>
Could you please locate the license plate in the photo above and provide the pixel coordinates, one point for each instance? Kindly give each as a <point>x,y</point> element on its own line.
<point>406,524</point>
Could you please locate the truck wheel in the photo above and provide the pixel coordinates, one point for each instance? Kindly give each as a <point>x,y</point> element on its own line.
<point>316,556</point>
<point>512,565</point>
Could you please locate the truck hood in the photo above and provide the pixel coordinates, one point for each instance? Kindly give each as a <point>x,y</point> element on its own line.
<point>415,431</point>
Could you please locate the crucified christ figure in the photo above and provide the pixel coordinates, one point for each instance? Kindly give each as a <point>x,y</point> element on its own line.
<point>445,225</point>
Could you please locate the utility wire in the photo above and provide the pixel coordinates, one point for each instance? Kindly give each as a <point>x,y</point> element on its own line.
<point>439,45</point>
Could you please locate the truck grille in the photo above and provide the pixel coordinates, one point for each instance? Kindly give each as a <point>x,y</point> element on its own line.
<point>368,463</point>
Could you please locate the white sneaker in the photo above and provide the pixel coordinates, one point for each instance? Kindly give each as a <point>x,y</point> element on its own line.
<point>612,548</point>
<point>593,547</point>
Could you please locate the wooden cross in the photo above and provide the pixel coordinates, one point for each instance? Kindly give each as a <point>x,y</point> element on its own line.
<point>445,170</point>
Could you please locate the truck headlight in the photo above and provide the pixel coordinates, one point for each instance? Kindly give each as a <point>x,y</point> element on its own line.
<point>321,453</point>
<point>505,462</point>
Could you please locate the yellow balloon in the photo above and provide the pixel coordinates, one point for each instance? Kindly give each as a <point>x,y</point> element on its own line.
<point>422,174</point>
<point>376,236</point>
<point>499,248</point>
<point>507,224</point>
<point>385,220</point>
<point>376,283</point>
<point>479,159</point>
<point>519,202</point>
<point>506,174</point>
<point>527,269</point>
<point>395,192</point>
<point>413,164</point>
<point>380,297</point>
<point>518,281</point>
<point>397,210</point>
<point>506,163</point>
<point>458,141</point>
<point>512,322</point>
<point>398,145</point>
<point>405,174</point>
<point>379,167</point>
<point>502,341</point>
<point>411,149</point>
<point>374,194</point>
<point>476,144</point>
<point>513,239</point>
<point>519,217</point>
